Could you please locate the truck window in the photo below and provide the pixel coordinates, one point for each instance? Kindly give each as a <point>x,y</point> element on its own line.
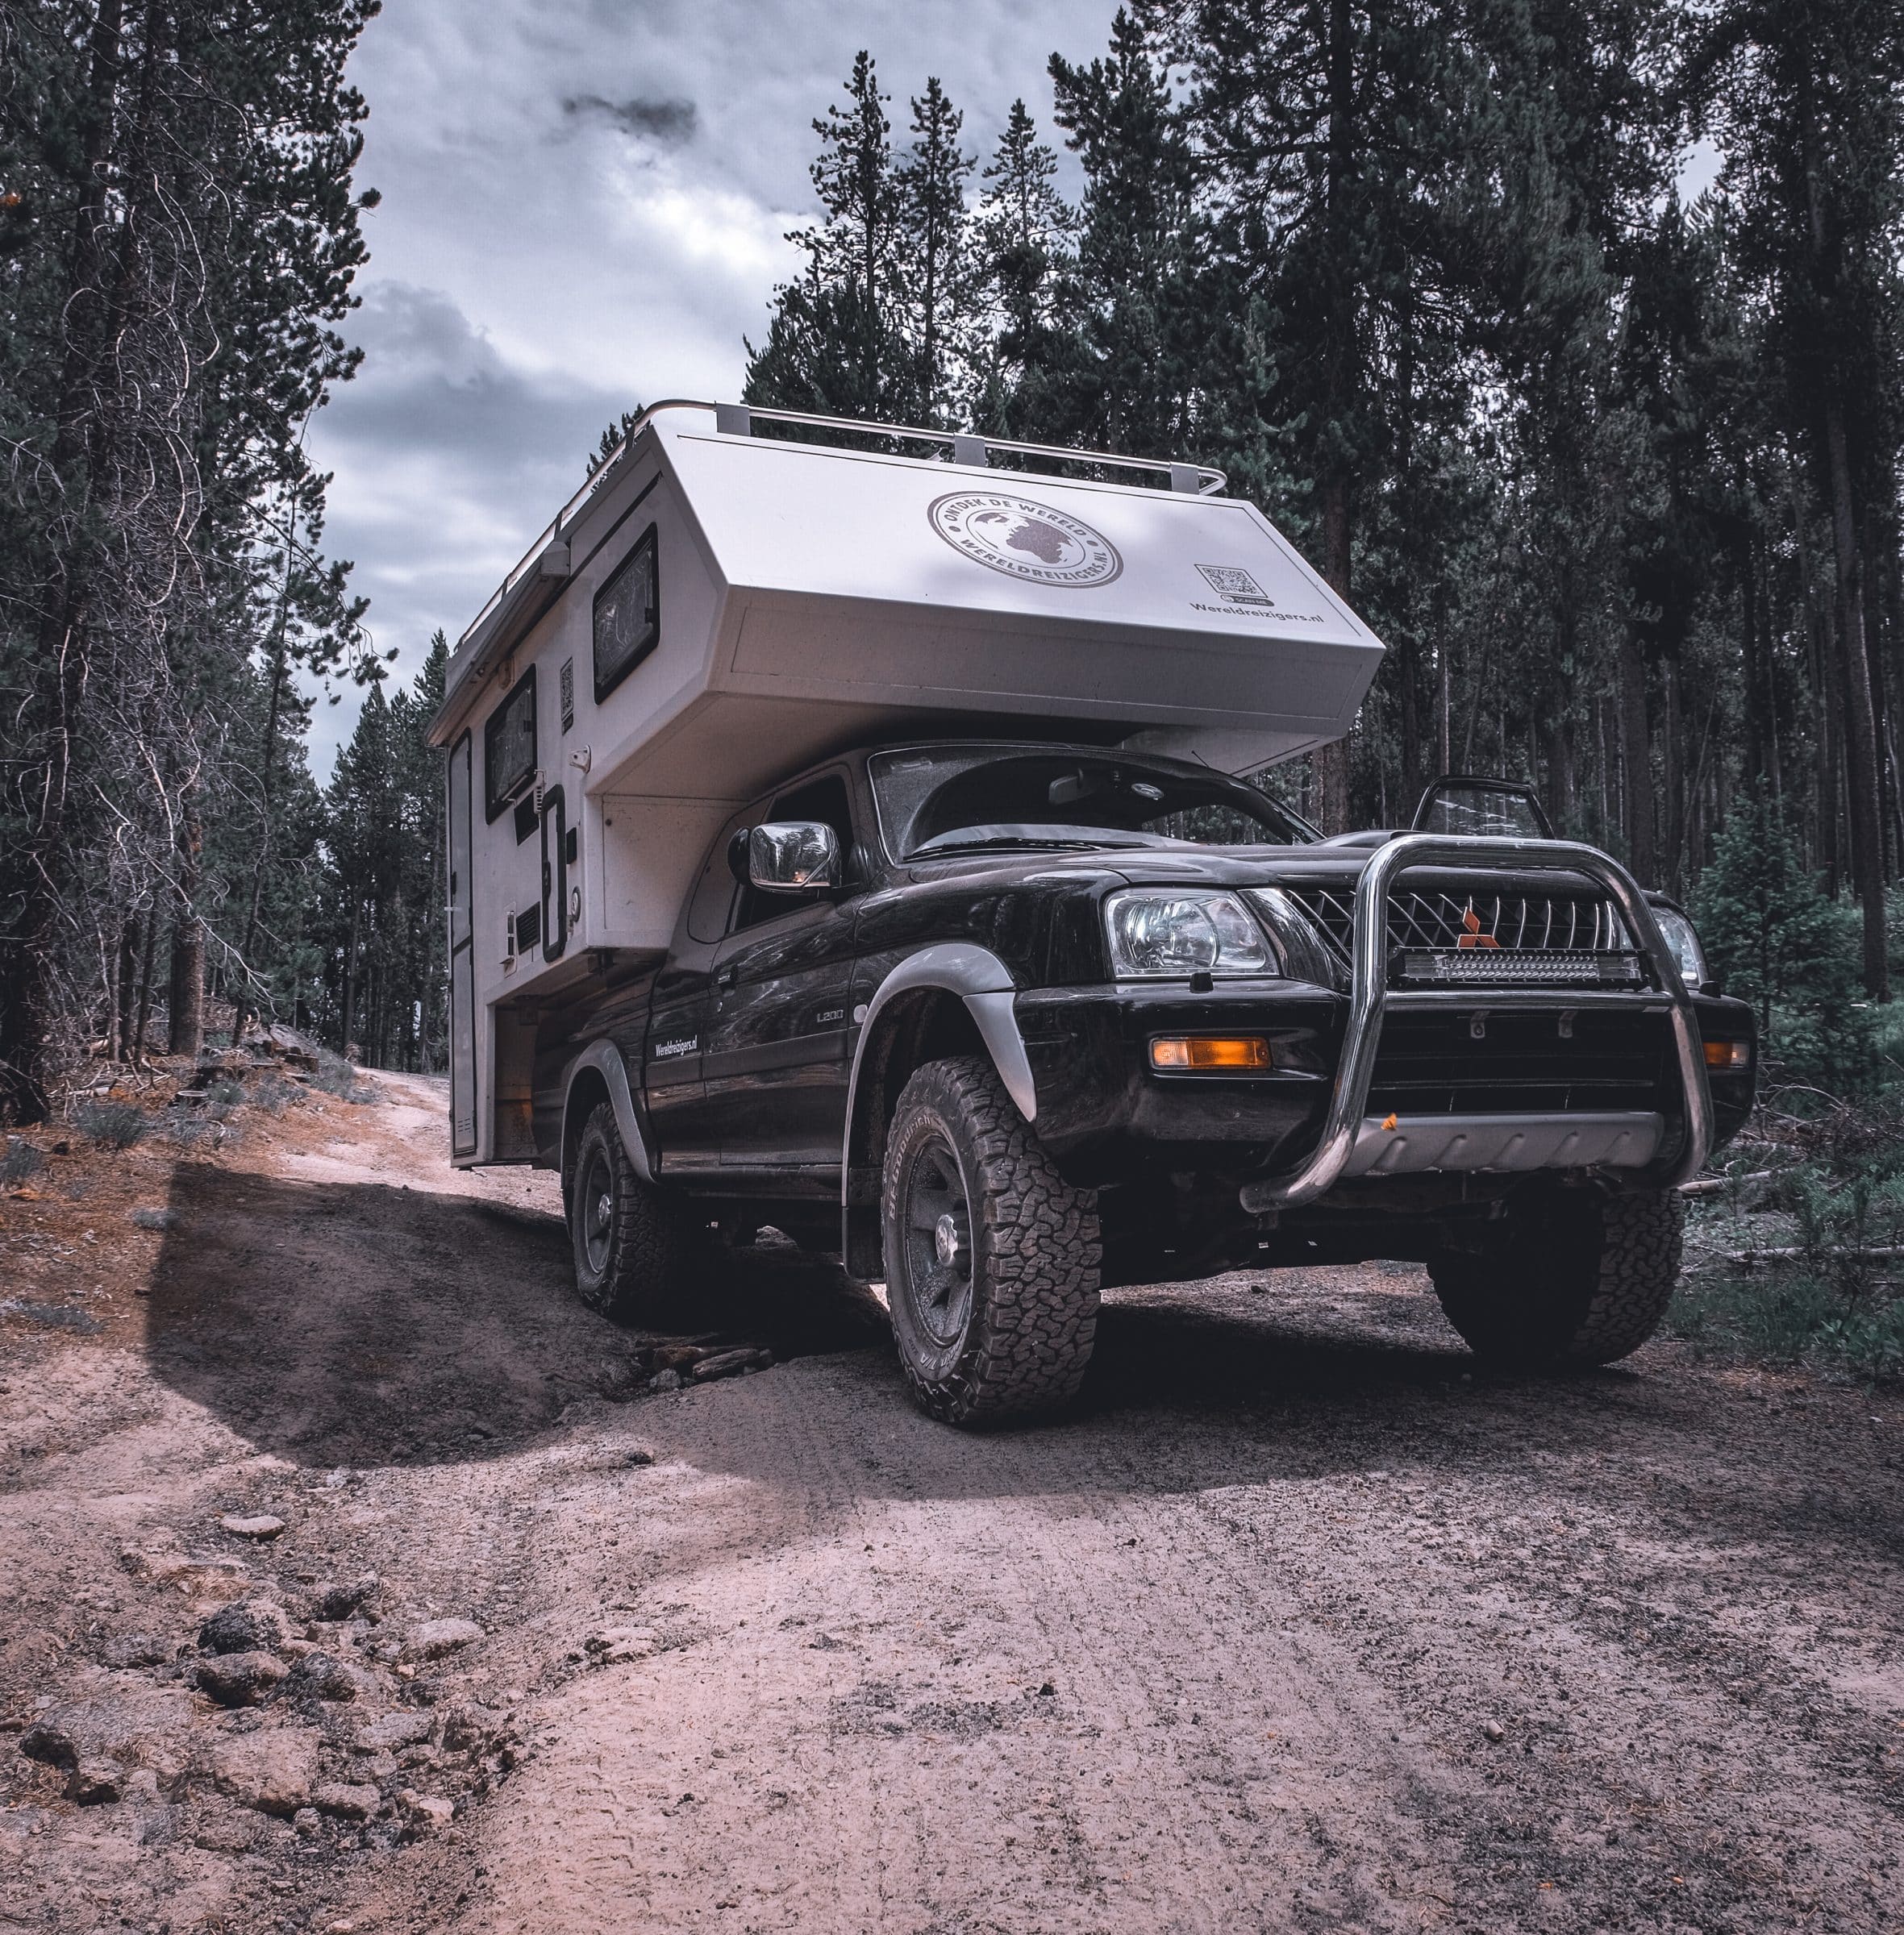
<point>509,746</point>
<point>628,615</point>
<point>825,800</point>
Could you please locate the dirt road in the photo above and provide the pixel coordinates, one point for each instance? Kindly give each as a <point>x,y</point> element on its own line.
<point>1298,1625</point>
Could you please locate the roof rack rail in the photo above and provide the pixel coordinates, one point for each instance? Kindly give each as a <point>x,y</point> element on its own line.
<point>738,420</point>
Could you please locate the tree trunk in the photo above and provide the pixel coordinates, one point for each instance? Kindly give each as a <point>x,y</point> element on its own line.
<point>1636,761</point>
<point>127,977</point>
<point>145,982</point>
<point>1331,761</point>
<point>187,991</point>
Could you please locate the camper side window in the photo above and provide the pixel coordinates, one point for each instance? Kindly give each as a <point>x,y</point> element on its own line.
<point>509,746</point>
<point>627,616</point>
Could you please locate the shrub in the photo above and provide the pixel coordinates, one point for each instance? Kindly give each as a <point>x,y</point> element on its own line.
<point>21,1162</point>
<point>336,1076</point>
<point>112,1125</point>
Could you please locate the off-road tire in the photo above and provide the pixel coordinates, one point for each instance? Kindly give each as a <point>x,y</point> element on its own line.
<point>1577,1278</point>
<point>1032,1254</point>
<point>633,1264</point>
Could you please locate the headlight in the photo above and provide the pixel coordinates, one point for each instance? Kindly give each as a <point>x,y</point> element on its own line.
<point>1685,943</point>
<point>1171,935</point>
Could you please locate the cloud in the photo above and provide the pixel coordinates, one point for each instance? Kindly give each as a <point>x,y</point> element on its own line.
<point>671,123</point>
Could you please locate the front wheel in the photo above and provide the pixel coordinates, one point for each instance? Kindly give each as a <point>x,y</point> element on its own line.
<point>991,1259</point>
<point>1573,1278</point>
<point>632,1241</point>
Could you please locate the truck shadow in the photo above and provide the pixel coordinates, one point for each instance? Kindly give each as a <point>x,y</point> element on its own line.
<point>364,1324</point>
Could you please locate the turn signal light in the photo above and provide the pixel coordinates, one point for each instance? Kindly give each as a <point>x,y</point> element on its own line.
<point>1728,1055</point>
<point>1242,1051</point>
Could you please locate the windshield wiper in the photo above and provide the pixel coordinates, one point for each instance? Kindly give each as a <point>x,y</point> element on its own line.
<point>933,850</point>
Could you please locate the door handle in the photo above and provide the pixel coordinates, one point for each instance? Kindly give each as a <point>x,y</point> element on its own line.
<point>728,976</point>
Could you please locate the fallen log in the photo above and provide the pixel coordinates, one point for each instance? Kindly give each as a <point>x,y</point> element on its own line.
<point>1885,1253</point>
<point>1714,1185</point>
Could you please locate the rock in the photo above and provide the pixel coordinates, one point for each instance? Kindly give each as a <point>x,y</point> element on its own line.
<point>1494,1729</point>
<point>141,1786</point>
<point>273,1770</point>
<point>678,1356</point>
<point>240,1679</point>
<point>189,1572</point>
<point>731,1363</point>
<point>664,1380</point>
<point>426,1810</point>
<point>435,1636</point>
<point>247,1626</point>
<point>307,1822</point>
<point>321,1676</point>
<point>640,1457</point>
<point>335,1600</point>
<point>347,1802</point>
<point>467,1726</point>
<point>125,1650</point>
<point>49,1744</point>
<point>615,1645</point>
<point>390,1731</point>
<point>253,1524</point>
<point>94,1781</point>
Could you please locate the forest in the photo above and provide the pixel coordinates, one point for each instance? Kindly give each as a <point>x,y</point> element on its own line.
<point>1564,340</point>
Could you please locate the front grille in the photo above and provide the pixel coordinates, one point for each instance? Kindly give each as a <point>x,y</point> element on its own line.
<point>1441,936</point>
<point>1521,1063</point>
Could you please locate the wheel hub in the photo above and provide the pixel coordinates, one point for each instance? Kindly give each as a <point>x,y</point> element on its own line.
<point>948,1244</point>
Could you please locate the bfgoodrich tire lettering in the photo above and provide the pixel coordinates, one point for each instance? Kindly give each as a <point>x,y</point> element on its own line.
<point>1575,1279</point>
<point>992,1259</point>
<point>632,1242</point>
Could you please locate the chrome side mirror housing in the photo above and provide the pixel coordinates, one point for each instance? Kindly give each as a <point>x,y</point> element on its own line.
<point>788,856</point>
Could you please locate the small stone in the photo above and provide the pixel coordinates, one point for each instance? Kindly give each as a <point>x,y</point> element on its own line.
<point>1494,1729</point>
<point>240,1679</point>
<point>615,1646</point>
<point>426,1810</point>
<point>253,1524</point>
<point>390,1731</point>
<point>96,1780</point>
<point>467,1726</point>
<point>273,1770</point>
<point>125,1650</point>
<point>51,1746</point>
<point>1047,1692</point>
<point>345,1801</point>
<point>307,1822</point>
<point>664,1380</point>
<point>321,1676</point>
<point>335,1600</point>
<point>141,1786</point>
<point>247,1626</point>
<point>641,1458</point>
<point>435,1636</point>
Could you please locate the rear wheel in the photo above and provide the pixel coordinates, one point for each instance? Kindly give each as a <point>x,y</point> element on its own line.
<point>991,1259</point>
<point>1574,1278</point>
<point>632,1241</point>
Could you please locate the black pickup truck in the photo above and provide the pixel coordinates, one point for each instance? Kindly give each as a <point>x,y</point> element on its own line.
<point>1004,1022</point>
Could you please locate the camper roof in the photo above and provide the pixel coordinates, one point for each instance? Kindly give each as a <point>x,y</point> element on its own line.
<point>1190,622</point>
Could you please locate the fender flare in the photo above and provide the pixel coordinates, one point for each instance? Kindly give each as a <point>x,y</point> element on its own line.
<point>606,1059</point>
<point>984,982</point>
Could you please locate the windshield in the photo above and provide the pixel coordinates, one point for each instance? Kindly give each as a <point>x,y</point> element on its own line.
<point>961,799</point>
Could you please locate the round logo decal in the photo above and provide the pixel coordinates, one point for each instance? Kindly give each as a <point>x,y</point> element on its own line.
<point>1025,540</point>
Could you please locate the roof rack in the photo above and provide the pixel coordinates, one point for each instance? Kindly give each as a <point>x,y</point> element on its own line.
<point>738,420</point>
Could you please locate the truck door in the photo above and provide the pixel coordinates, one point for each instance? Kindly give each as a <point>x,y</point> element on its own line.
<point>462,963</point>
<point>776,1059</point>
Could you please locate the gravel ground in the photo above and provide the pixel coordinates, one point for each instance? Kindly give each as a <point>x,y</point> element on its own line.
<point>1299,1623</point>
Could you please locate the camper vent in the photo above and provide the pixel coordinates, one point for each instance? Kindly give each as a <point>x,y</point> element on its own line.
<point>567,695</point>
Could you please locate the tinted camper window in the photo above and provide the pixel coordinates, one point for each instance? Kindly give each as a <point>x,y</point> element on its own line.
<point>509,745</point>
<point>627,616</point>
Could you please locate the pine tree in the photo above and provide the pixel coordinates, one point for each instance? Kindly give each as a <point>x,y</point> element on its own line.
<point>934,258</point>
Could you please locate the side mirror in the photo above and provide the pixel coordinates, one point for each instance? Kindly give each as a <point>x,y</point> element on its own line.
<point>786,856</point>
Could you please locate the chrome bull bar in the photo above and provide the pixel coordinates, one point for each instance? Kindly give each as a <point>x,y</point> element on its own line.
<point>1369,999</point>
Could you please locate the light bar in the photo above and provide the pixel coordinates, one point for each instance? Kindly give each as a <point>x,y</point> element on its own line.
<point>1211,1051</point>
<point>1502,966</point>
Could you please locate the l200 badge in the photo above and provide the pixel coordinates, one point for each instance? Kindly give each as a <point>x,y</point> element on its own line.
<point>1025,540</point>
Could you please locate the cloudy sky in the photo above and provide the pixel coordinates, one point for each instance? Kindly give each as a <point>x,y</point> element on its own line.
<point>584,203</point>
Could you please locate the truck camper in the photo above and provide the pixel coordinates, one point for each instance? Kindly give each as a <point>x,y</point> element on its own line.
<point>852,839</point>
